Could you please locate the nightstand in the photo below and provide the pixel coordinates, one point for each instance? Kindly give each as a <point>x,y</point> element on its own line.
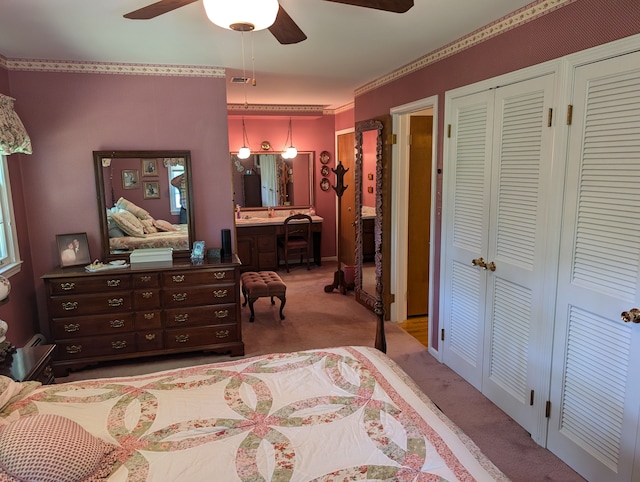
<point>30,363</point>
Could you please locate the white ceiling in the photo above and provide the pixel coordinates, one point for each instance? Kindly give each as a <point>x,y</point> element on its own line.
<point>346,47</point>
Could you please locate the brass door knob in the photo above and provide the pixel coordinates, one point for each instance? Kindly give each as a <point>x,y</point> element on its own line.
<point>631,316</point>
<point>479,262</point>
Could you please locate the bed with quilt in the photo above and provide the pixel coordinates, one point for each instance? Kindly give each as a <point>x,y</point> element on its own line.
<point>335,414</point>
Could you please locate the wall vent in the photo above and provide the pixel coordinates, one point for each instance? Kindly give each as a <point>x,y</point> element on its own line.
<point>240,80</point>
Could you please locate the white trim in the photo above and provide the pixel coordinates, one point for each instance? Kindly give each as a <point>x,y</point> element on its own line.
<point>13,252</point>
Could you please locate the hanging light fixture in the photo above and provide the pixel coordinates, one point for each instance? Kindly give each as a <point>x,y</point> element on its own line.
<point>244,152</point>
<point>289,152</point>
<point>242,15</point>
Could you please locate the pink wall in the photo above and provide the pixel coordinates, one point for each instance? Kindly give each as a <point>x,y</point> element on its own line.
<point>571,28</point>
<point>70,115</point>
<point>310,133</point>
<point>345,119</point>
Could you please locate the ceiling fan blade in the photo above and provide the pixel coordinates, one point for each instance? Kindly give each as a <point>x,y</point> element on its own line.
<point>158,8</point>
<point>397,6</point>
<point>285,30</point>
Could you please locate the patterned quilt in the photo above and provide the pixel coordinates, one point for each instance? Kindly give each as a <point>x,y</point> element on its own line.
<point>163,239</point>
<point>339,414</point>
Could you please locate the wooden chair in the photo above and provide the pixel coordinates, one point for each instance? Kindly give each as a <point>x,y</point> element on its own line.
<point>297,238</point>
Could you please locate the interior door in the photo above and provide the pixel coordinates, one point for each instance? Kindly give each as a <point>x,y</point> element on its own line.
<point>596,381</point>
<point>420,153</point>
<point>346,154</point>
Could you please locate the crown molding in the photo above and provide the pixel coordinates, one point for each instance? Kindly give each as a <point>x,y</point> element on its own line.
<point>115,68</point>
<point>278,109</point>
<point>511,21</point>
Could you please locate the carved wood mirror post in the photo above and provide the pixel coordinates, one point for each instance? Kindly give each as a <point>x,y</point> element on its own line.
<point>339,188</point>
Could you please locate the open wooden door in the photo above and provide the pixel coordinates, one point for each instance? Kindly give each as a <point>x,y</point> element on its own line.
<point>346,154</point>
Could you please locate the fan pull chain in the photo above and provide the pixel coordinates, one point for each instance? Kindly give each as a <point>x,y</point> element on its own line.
<point>244,73</point>
<point>253,63</point>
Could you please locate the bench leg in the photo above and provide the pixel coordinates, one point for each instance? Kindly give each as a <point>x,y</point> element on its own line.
<point>283,300</point>
<point>272,302</point>
<point>244,293</point>
<point>253,317</point>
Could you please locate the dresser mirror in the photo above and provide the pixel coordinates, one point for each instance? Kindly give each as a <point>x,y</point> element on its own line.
<point>268,180</point>
<point>145,200</point>
<point>368,216</point>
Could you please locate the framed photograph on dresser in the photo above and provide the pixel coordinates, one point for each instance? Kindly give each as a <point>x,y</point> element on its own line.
<point>73,249</point>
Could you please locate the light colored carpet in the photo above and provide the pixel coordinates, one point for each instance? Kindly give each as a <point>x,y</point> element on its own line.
<point>315,319</point>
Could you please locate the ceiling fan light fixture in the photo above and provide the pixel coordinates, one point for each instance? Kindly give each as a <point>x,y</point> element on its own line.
<point>244,152</point>
<point>242,15</point>
<point>289,152</point>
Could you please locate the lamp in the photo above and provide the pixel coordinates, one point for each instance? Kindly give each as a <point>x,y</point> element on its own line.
<point>242,15</point>
<point>289,152</point>
<point>244,152</point>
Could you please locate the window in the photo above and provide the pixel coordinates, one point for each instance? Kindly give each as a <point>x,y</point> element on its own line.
<point>174,196</point>
<point>9,255</point>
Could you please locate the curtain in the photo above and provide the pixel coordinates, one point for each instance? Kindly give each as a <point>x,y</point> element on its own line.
<point>269,176</point>
<point>13,136</point>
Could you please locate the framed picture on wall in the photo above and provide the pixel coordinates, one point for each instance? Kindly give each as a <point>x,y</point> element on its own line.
<point>151,189</point>
<point>73,249</point>
<point>149,167</point>
<point>130,179</point>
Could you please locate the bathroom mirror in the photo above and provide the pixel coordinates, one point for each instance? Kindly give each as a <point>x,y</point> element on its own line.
<point>268,180</point>
<point>154,186</point>
<point>368,216</point>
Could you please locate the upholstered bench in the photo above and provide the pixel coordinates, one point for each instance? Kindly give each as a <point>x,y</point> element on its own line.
<point>256,284</point>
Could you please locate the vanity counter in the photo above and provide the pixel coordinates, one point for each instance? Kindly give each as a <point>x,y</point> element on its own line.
<point>266,221</point>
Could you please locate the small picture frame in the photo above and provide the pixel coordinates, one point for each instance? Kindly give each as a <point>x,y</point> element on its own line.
<point>370,189</point>
<point>197,253</point>
<point>130,179</point>
<point>324,184</point>
<point>73,249</point>
<point>151,189</point>
<point>149,167</point>
<point>370,177</point>
<point>324,170</point>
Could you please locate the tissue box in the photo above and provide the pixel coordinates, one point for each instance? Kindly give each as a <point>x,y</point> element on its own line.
<point>151,255</point>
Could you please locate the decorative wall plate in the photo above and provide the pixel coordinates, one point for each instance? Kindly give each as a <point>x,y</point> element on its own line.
<point>324,171</point>
<point>324,184</point>
<point>325,157</point>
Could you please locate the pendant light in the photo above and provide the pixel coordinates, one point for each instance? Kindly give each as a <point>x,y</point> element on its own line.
<point>289,152</point>
<point>242,15</point>
<point>244,152</point>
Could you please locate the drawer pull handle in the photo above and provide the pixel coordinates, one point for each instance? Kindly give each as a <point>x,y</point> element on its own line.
<point>116,323</point>
<point>115,302</point>
<point>150,336</point>
<point>48,371</point>
<point>149,316</point>
<point>147,294</point>
<point>222,334</point>
<point>70,306</point>
<point>182,338</point>
<point>219,274</point>
<point>113,282</point>
<point>222,313</point>
<point>179,297</point>
<point>220,293</point>
<point>73,349</point>
<point>67,286</point>
<point>178,278</point>
<point>181,317</point>
<point>118,345</point>
<point>71,327</point>
<point>145,279</point>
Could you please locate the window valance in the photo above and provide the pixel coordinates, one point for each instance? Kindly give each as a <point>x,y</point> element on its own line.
<point>13,136</point>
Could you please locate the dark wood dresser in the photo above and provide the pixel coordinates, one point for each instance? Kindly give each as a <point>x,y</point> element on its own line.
<point>30,363</point>
<point>143,311</point>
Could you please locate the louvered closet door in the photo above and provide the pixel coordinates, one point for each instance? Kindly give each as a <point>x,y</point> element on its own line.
<point>467,180</point>
<point>596,378</point>
<point>515,365</point>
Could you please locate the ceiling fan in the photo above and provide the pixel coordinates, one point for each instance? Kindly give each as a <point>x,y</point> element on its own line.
<point>284,29</point>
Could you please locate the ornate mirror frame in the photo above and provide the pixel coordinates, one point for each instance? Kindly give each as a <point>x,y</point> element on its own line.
<point>372,300</point>
<point>137,157</point>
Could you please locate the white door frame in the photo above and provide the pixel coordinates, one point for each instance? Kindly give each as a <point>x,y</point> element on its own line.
<point>400,206</point>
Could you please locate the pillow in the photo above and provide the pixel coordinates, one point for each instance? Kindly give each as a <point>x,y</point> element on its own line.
<point>11,390</point>
<point>132,208</point>
<point>51,448</point>
<point>147,225</point>
<point>164,225</point>
<point>128,223</point>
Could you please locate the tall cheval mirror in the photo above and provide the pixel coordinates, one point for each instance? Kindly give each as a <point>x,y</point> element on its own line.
<point>145,200</point>
<point>368,218</point>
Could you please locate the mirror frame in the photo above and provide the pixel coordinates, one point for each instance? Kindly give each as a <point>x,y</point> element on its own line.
<point>372,300</point>
<point>102,202</point>
<point>312,160</point>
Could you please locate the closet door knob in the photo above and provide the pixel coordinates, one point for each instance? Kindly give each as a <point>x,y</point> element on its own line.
<point>479,262</point>
<point>633,315</point>
<point>490,266</point>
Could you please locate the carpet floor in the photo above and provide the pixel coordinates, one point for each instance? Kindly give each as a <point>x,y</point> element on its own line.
<point>315,319</point>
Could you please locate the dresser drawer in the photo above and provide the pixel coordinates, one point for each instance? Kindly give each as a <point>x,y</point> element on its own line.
<point>149,340</point>
<point>201,315</point>
<point>146,280</point>
<point>63,306</point>
<point>105,345</point>
<point>93,284</point>
<point>200,336</point>
<point>148,319</point>
<point>201,295</point>
<point>198,277</point>
<point>146,299</point>
<point>81,326</point>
